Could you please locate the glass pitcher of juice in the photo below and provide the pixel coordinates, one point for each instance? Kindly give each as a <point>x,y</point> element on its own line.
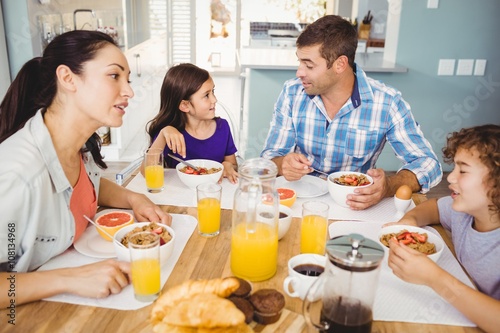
<point>254,239</point>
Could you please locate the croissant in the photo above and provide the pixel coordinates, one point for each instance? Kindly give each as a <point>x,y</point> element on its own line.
<point>222,287</point>
<point>167,328</point>
<point>204,311</point>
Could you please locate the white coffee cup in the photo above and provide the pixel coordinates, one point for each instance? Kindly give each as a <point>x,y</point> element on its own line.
<point>297,284</point>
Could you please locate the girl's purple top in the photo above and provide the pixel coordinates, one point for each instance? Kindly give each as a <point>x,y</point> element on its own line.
<point>214,148</point>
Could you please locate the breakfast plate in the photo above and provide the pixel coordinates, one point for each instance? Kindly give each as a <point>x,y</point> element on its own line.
<point>91,244</point>
<point>307,187</point>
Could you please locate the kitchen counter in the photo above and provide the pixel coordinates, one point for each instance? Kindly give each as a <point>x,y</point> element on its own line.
<point>285,59</point>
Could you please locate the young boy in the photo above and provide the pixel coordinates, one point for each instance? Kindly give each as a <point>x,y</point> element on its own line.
<point>472,215</point>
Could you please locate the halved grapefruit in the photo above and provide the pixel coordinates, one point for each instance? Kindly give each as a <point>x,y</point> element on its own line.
<point>287,196</point>
<point>112,222</point>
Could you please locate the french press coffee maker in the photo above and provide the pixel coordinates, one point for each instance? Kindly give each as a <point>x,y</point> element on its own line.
<point>341,300</point>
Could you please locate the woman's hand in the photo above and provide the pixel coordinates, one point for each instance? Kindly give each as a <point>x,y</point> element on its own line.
<point>174,140</point>
<point>97,280</point>
<point>146,210</point>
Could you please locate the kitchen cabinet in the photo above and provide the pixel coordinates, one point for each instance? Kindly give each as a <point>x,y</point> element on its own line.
<point>27,24</point>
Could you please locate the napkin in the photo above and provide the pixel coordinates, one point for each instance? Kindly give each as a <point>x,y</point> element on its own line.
<point>397,300</point>
<point>178,194</point>
<point>183,226</point>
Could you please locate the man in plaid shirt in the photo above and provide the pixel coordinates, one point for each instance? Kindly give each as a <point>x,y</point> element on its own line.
<point>333,117</point>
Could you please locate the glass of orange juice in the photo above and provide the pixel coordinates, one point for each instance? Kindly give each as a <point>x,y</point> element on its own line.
<point>314,227</point>
<point>144,250</point>
<point>153,170</point>
<point>209,196</point>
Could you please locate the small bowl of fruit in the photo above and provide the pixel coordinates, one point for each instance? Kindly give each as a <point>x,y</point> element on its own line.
<point>208,172</point>
<point>343,183</point>
<point>426,241</point>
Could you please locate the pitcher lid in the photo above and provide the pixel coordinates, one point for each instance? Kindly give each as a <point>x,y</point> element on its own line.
<point>354,252</point>
<point>258,168</point>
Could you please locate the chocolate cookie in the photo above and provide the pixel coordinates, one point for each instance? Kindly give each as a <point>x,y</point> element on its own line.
<point>268,304</point>
<point>244,306</point>
<point>244,289</point>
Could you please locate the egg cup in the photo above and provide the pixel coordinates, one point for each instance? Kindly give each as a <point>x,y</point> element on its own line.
<point>401,206</point>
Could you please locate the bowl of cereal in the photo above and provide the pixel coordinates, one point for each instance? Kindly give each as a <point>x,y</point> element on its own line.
<point>209,172</point>
<point>343,183</point>
<point>423,240</point>
<point>167,239</point>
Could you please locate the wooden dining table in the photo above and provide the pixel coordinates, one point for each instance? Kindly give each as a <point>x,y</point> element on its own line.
<point>202,258</point>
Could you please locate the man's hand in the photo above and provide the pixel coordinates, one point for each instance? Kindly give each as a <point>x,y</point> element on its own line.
<point>294,166</point>
<point>368,196</point>
<point>382,187</point>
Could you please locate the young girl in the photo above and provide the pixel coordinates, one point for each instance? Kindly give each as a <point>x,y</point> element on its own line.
<point>472,215</point>
<point>50,176</point>
<point>186,124</point>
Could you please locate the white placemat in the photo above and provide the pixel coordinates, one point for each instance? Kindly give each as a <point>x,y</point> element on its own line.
<point>184,225</point>
<point>177,194</point>
<point>397,300</point>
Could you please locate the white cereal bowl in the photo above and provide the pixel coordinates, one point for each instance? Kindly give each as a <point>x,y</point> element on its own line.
<point>191,180</point>
<point>432,237</point>
<point>339,192</point>
<point>285,221</point>
<point>123,253</point>
<point>265,214</point>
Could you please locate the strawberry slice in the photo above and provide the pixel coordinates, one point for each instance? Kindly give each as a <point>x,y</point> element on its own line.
<point>403,235</point>
<point>405,241</point>
<point>162,241</point>
<point>158,230</point>
<point>189,170</point>
<point>348,179</point>
<point>422,238</point>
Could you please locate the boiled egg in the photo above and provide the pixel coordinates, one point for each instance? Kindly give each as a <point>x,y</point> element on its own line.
<point>404,192</point>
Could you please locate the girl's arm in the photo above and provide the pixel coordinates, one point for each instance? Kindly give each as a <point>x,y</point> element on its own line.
<point>94,280</point>
<point>414,267</point>
<point>114,195</point>
<point>169,136</point>
<point>230,168</point>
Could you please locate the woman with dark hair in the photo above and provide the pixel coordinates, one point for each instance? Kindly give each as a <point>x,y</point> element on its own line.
<point>50,176</point>
<point>186,124</point>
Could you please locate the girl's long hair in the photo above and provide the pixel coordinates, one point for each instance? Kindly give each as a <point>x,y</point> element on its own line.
<point>180,82</point>
<point>35,86</point>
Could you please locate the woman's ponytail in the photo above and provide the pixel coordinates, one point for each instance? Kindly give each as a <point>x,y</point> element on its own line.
<point>18,105</point>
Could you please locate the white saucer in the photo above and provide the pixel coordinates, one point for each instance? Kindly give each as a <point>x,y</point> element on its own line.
<point>307,187</point>
<point>91,244</point>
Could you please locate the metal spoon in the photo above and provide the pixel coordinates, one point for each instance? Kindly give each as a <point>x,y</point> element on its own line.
<point>98,226</point>
<point>321,172</point>
<point>184,162</point>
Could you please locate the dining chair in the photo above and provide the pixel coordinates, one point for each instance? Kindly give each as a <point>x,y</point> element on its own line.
<point>221,110</point>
